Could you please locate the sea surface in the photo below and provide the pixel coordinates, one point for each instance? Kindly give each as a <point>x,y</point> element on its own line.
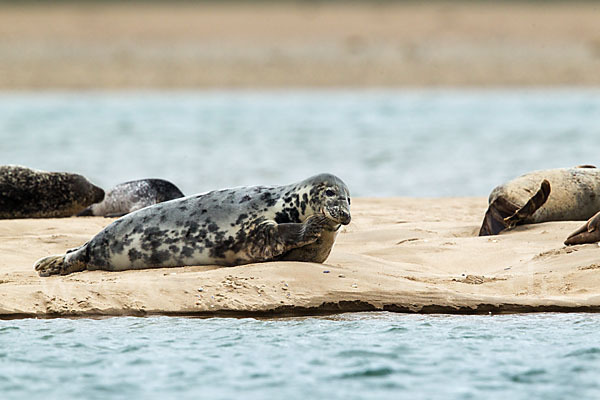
<point>380,142</point>
<point>349,356</point>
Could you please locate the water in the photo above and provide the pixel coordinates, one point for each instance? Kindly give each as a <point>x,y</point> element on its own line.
<point>352,356</point>
<point>382,143</point>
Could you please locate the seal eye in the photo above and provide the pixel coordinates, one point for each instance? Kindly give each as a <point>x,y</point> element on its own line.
<point>329,193</point>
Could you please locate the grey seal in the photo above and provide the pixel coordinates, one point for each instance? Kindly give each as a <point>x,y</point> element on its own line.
<point>31,193</point>
<point>296,222</point>
<point>560,194</point>
<point>133,195</point>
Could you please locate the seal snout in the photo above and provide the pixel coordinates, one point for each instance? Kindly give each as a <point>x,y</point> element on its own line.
<point>338,215</point>
<point>344,217</point>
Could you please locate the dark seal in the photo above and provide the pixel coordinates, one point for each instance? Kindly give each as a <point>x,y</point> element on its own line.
<point>560,194</point>
<point>588,233</point>
<point>132,196</point>
<point>30,193</point>
<point>296,222</point>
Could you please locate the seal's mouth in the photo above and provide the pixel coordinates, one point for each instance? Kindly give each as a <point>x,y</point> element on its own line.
<point>337,215</point>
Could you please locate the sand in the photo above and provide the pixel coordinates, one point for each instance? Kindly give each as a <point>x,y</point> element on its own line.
<point>190,45</point>
<point>398,254</point>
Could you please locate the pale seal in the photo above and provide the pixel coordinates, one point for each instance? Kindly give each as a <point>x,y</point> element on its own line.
<point>30,193</point>
<point>132,196</point>
<point>560,194</point>
<point>297,222</point>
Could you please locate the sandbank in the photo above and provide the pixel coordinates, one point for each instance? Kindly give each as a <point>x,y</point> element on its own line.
<point>398,254</point>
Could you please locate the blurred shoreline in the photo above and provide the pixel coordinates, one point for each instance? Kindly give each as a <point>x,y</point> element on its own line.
<point>187,45</point>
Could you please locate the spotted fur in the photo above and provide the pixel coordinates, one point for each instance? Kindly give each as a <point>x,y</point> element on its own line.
<point>132,196</point>
<point>30,193</point>
<point>225,227</point>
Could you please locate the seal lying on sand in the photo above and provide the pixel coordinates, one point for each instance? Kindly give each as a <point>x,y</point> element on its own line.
<point>560,194</point>
<point>588,233</point>
<point>237,226</point>
<point>132,196</point>
<point>30,193</point>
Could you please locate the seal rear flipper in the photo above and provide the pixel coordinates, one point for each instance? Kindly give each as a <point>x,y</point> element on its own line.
<point>498,210</point>
<point>588,233</point>
<point>56,265</point>
<point>530,207</point>
<point>51,265</point>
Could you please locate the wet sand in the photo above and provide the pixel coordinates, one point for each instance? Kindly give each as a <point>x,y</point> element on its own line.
<point>270,45</point>
<point>398,254</point>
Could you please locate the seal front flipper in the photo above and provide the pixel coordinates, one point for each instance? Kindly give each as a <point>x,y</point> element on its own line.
<point>270,239</point>
<point>530,207</point>
<point>588,233</point>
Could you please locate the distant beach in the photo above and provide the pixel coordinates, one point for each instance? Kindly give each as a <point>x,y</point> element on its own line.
<point>268,45</point>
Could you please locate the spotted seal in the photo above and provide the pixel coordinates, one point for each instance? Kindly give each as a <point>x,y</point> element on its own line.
<point>30,193</point>
<point>559,194</point>
<point>297,222</point>
<point>133,195</point>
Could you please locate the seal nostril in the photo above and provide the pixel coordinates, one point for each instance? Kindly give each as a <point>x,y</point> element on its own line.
<point>345,217</point>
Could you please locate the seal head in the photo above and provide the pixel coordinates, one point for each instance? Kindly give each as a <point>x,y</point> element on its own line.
<point>333,196</point>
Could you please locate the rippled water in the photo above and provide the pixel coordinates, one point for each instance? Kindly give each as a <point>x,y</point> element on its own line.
<point>382,143</point>
<point>352,356</point>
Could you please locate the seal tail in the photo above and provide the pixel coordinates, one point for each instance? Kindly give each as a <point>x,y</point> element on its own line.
<point>51,265</point>
<point>588,233</point>
<point>85,213</point>
<point>502,214</point>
